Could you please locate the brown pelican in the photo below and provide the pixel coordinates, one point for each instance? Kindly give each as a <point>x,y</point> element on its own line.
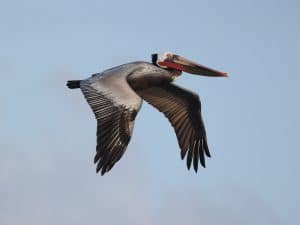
<point>115,96</point>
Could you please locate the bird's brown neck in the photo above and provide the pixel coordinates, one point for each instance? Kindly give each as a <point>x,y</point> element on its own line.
<point>175,73</point>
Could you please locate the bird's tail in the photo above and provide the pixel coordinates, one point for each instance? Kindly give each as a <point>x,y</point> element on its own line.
<point>72,84</point>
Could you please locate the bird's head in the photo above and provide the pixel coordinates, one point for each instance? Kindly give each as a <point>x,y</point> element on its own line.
<point>169,60</point>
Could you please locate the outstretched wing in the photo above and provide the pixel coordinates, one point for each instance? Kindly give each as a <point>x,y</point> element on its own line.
<point>183,110</point>
<point>115,106</point>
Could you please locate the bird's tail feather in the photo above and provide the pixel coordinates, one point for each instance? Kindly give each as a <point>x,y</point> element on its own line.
<point>72,84</point>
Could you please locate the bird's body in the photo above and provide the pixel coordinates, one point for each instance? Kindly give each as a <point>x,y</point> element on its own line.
<point>116,95</point>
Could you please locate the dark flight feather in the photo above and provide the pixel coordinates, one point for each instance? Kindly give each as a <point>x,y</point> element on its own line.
<point>183,110</point>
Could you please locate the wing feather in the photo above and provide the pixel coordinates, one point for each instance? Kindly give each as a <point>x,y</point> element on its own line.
<point>183,110</point>
<point>115,118</point>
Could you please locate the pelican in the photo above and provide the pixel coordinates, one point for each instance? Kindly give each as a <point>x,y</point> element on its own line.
<point>116,95</point>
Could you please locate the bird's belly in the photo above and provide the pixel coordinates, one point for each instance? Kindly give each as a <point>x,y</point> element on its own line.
<point>139,83</point>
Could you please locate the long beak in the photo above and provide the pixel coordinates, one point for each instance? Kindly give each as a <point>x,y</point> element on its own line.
<point>179,63</point>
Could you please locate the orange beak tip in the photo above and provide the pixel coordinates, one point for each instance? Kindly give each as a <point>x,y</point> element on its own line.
<point>225,75</point>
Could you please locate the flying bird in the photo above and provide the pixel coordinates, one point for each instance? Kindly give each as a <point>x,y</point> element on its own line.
<point>116,95</point>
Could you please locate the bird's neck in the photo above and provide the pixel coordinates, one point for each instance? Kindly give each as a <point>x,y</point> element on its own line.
<point>175,74</point>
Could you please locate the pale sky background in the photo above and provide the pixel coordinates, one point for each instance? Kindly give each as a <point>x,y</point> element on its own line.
<point>47,135</point>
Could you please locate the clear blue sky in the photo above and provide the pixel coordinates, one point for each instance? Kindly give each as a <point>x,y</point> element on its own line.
<point>47,135</point>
